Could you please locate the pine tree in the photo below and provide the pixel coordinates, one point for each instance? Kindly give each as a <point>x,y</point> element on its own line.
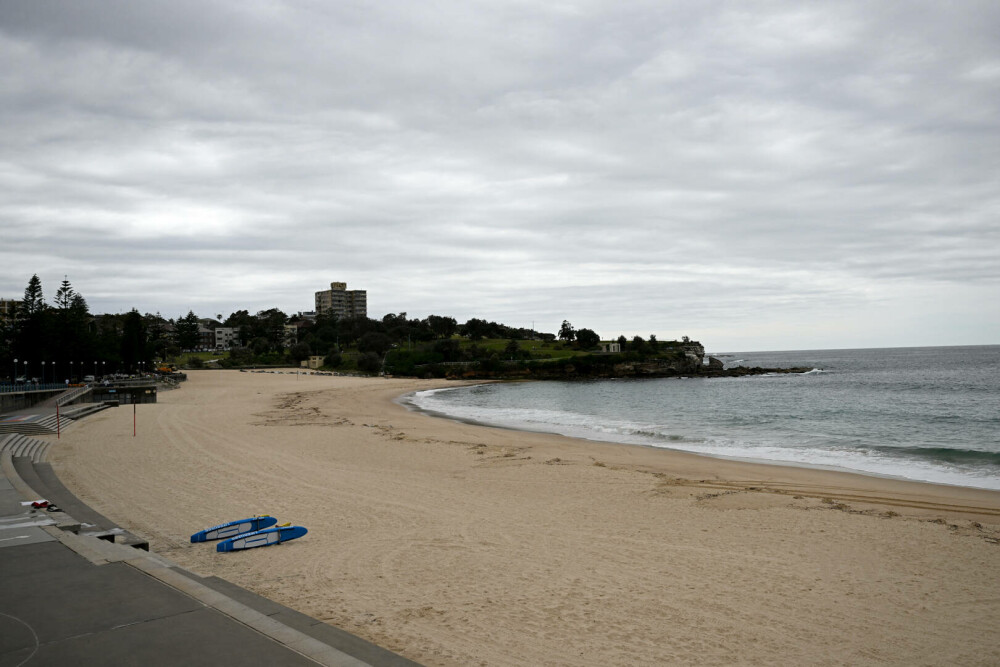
<point>32,325</point>
<point>64,295</point>
<point>133,341</point>
<point>34,300</point>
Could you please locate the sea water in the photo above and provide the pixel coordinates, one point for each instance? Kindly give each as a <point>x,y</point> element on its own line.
<point>930,414</point>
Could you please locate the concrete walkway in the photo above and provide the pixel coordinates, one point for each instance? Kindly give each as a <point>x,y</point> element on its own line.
<point>71,596</point>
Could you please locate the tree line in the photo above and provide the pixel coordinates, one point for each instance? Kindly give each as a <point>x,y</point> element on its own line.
<point>62,340</point>
<point>72,342</point>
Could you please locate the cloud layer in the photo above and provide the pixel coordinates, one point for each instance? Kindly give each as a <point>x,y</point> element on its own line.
<point>767,175</point>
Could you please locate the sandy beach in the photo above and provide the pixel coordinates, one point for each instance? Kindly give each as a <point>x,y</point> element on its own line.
<point>457,544</point>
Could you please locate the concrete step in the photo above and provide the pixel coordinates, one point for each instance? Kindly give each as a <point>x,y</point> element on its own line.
<point>33,424</point>
<point>21,445</point>
<point>93,524</point>
<point>83,410</point>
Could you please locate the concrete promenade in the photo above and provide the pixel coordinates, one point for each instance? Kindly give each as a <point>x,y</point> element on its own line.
<point>70,595</point>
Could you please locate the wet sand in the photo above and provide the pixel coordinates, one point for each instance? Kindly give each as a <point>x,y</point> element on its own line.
<point>458,544</point>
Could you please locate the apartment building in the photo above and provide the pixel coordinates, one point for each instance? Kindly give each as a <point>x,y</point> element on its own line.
<point>8,307</point>
<point>342,302</point>
<point>227,338</point>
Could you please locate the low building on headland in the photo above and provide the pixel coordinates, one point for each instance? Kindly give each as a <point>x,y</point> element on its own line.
<point>611,347</point>
<point>342,302</point>
<point>312,362</point>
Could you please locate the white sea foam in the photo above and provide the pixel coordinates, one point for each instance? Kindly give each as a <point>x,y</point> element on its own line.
<point>755,446</point>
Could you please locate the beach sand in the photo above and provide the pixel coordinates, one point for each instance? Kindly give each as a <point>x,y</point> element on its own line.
<point>457,544</point>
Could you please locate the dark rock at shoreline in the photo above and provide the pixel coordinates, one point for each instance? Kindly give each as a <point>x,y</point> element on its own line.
<point>634,370</point>
<point>740,371</point>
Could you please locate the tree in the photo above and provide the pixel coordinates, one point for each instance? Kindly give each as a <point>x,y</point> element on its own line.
<point>33,302</point>
<point>69,328</point>
<point>299,352</point>
<point>333,359</point>
<point>587,339</point>
<point>32,324</point>
<point>156,334</point>
<point>567,332</point>
<point>186,329</point>
<point>133,341</point>
<point>375,342</point>
<point>512,349</point>
<point>271,325</point>
<point>260,345</point>
<point>449,349</point>
<point>240,320</point>
<point>79,304</point>
<point>443,327</point>
<point>370,362</point>
<point>64,295</point>
<point>476,328</point>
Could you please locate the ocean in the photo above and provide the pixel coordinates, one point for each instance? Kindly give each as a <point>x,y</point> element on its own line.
<point>930,414</point>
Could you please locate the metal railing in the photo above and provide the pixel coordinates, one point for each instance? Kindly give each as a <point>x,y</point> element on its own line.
<point>72,395</point>
<point>21,387</point>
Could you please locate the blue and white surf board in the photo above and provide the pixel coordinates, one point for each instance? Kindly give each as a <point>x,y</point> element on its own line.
<point>261,538</point>
<point>233,528</point>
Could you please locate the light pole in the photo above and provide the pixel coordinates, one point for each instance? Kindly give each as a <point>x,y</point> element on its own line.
<point>43,372</point>
<point>25,371</point>
<point>104,368</point>
<point>55,378</point>
<point>13,378</point>
<point>71,371</point>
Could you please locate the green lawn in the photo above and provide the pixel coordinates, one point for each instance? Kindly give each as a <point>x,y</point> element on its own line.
<point>204,356</point>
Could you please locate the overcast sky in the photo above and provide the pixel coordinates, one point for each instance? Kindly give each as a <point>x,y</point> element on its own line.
<point>771,175</point>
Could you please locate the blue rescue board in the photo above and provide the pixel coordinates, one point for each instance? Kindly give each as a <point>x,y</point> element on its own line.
<point>233,528</point>
<point>262,538</point>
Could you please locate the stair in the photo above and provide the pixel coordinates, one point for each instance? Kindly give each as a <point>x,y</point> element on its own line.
<point>46,424</point>
<point>20,445</point>
<point>31,424</point>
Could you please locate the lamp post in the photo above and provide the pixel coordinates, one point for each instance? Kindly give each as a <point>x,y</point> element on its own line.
<point>43,372</point>
<point>55,378</point>
<point>13,378</point>
<point>71,371</point>
<point>104,369</point>
<point>25,371</point>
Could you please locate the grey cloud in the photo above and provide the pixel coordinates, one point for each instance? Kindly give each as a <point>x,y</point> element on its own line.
<point>597,161</point>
